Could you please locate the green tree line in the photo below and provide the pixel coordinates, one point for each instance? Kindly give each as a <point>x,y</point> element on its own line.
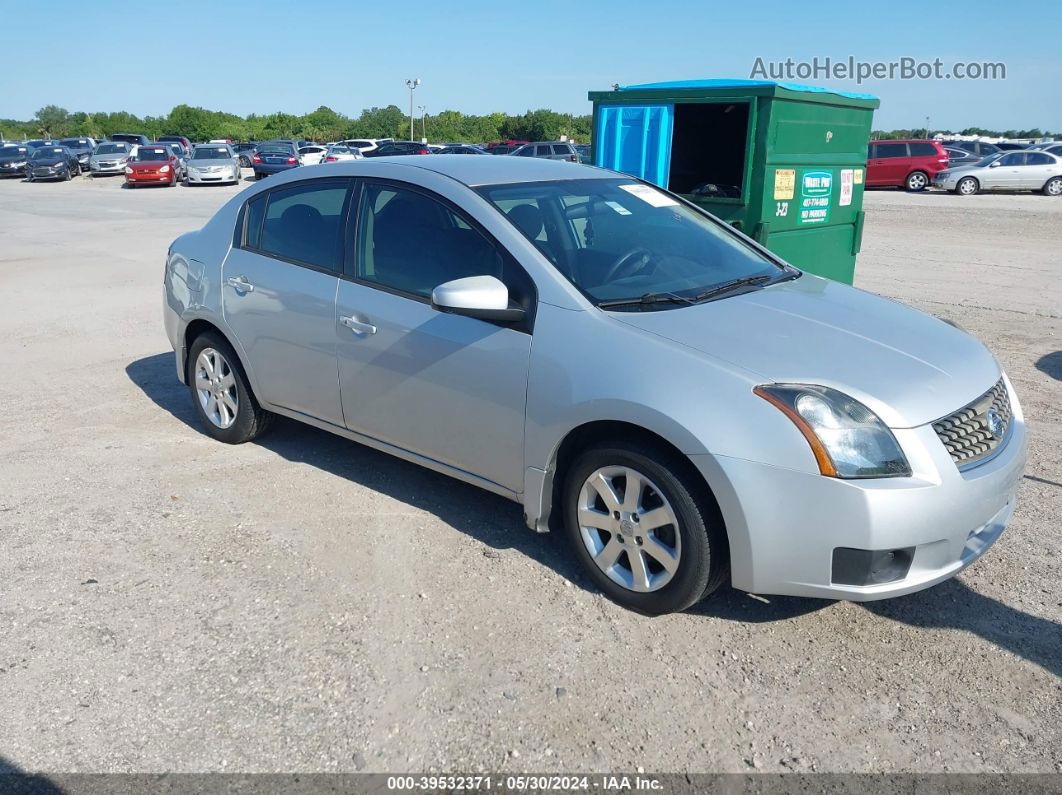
<point>323,124</point>
<point>921,132</point>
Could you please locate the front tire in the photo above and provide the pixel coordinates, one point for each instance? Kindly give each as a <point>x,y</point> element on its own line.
<point>640,523</point>
<point>221,394</point>
<point>1053,187</point>
<point>967,186</point>
<point>917,181</point>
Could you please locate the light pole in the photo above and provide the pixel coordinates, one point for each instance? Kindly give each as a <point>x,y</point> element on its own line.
<point>412,86</point>
<point>423,123</point>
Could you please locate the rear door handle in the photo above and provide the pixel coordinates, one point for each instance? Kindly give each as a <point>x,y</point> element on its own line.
<point>357,326</point>
<point>240,284</point>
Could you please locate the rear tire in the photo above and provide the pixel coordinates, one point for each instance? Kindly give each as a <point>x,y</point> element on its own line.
<point>258,176</point>
<point>657,551</point>
<point>1053,187</point>
<point>917,181</point>
<point>221,394</point>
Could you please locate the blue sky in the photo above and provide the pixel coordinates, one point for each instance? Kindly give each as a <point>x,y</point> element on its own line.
<point>483,56</point>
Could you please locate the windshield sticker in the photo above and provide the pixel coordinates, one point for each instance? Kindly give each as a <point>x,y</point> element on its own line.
<point>784,183</point>
<point>846,188</point>
<point>815,190</point>
<point>619,208</point>
<point>649,195</point>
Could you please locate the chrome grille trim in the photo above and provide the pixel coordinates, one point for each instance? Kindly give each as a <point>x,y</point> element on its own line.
<point>965,434</point>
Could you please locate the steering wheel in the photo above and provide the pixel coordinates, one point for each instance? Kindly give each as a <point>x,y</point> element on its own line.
<point>628,264</point>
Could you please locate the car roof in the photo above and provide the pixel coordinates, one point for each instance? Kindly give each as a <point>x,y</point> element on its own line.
<point>474,171</point>
<point>909,141</point>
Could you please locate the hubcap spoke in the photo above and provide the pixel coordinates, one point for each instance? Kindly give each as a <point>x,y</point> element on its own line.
<point>660,553</point>
<point>639,571</point>
<point>632,493</point>
<point>658,517</point>
<point>603,487</point>
<point>606,558</point>
<point>592,518</point>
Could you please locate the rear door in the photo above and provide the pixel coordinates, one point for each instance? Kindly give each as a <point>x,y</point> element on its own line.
<point>444,386</point>
<point>279,287</point>
<point>1039,167</point>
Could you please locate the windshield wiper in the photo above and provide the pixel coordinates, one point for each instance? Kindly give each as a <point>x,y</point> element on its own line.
<point>729,287</point>
<point>647,299</point>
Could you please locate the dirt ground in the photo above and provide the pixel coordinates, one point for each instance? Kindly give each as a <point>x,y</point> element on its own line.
<point>168,603</point>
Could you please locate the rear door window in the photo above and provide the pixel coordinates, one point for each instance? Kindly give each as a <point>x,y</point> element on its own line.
<point>562,149</point>
<point>892,150</point>
<point>303,224</point>
<point>1038,159</point>
<point>922,150</point>
<point>542,151</point>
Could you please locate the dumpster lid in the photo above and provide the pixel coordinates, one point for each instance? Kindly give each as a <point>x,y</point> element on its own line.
<point>739,83</point>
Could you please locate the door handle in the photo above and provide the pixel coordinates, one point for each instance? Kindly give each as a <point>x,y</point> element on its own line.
<point>240,284</point>
<point>357,326</point>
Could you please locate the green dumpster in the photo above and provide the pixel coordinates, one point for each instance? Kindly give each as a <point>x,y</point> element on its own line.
<point>783,163</point>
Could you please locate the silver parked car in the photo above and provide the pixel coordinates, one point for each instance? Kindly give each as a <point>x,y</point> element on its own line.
<point>1015,170</point>
<point>548,150</point>
<point>212,163</point>
<point>688,408</point>
<point>111,157</point>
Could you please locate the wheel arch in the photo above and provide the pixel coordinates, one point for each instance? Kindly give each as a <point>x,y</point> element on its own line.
<point>195,328</point>
<point>589,433</point>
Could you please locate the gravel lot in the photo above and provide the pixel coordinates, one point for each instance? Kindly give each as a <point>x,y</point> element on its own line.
<point>168,603</point>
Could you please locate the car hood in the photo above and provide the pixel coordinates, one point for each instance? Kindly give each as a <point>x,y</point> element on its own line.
<point>148,164</point>
<point>908,367</point>
<point>227,162</point>
<point>47,161</point>
<point>14,158</point>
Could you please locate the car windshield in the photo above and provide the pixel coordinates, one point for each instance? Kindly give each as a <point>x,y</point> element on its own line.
<point>48,153</point>
<point>984,161</point>
<point>211,153</point>
<point>152,153</point>
<point>112,149</point>
<point>13,151</point>
<point>616,239</point>
<point>75,143</point>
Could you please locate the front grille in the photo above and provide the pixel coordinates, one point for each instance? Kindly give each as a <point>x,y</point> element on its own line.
<point>975,432</point>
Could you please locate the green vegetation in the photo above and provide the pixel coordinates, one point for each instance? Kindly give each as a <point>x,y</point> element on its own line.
<point>323,124</point>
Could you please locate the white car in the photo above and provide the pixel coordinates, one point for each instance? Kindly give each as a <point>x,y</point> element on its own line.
<point>364,145</point>
<point>335,154</point>
<point>311,155</point>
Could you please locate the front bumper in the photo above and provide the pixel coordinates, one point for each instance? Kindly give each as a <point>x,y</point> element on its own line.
<point>47,173</point>
<point>105,168</point>
<point>204,177</point>
<point>945,181</point>
<point>12,171</point>
<point>784,525</point>
<point>151,179</point>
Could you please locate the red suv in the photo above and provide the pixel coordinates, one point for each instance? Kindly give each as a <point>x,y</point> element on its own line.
<point>904,164</point>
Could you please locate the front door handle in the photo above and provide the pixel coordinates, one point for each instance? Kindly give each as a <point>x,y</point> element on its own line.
<point>357,326</point>
<point>240,284</point>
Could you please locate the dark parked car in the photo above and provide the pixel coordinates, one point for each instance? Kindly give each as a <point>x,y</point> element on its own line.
<point>272,157</point>
<point>131,138</point>
<point>395,148</point>
<point>244,152</point>
<point>52,162</point>
<point>13,159</point>
<point>979,148</point>
<point>36,143</point>
<point>462,149</point>
<point>82,147</point>
<point>178,139</point>
<point>904,164</point>
<point>548,150</point>
<point>960,157</point>
<point>1007,146</point>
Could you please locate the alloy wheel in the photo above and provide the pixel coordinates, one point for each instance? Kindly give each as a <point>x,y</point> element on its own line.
<point>215,384</point>
<point>967,187</point>
<point>916,181</point>
<point>629,528</point>
<point>1054,187</point>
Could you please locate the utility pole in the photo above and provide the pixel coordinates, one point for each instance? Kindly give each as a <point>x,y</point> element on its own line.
<point>423,123</point>
<point>412,86</point>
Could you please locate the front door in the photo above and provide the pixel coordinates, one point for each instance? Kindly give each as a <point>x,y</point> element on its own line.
<point>279,294</point>
<point>447,387</point>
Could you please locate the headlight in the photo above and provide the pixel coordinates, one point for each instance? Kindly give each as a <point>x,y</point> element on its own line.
<point>128,170</point>
<point>164,170</point>
<point>847,438</point>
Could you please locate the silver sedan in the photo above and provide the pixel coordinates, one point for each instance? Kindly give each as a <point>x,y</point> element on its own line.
<point>685,407</point>
<point>1018,170</point>
<point>212,163</point>
<point>110,157</point>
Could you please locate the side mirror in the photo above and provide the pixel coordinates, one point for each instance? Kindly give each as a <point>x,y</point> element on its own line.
<point>483,297</point>
<point>993,164</point>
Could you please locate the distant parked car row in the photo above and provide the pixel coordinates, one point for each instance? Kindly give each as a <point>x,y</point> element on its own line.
<point>964,167</point>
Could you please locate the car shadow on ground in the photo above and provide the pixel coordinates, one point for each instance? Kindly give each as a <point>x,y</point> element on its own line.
<point>1051,364</point>
<point>497,523</point>
<point>15,779</point>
